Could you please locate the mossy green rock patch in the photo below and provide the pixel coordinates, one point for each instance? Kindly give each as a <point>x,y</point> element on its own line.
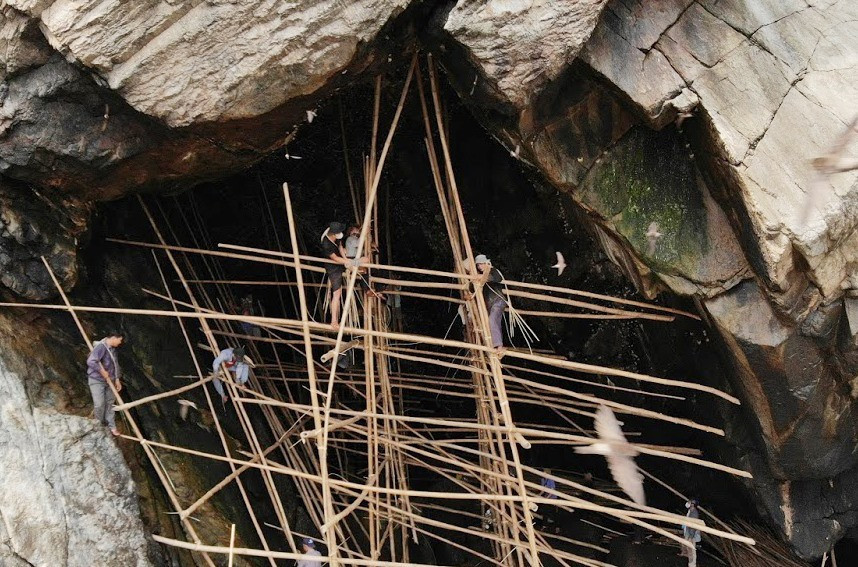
<point>649,177</point>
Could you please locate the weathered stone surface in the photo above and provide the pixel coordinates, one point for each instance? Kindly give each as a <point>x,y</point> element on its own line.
<point>749,18</point>
<point>66,494</point>
<point>804,416</point>
<point>519,46</point>
<point>190,61</point>
<point>643,76</point>
<point>647,178</point>
<point>31,228</point>
<point>642,23</point>
<point>766,77</point>
<point>21,43</point>
<point>199,64</point>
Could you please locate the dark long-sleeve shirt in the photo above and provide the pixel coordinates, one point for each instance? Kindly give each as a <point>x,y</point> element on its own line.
<point>104,355</point>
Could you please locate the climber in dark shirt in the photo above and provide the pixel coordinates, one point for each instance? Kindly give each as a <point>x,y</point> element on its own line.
<point>333,250</point>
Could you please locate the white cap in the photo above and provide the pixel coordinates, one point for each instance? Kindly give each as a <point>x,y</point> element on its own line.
<point>481,259</point>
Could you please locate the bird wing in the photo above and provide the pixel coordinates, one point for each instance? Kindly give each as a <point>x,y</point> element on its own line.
<point>627,476</point>
<point>561,261</point>
<point>607,426</point>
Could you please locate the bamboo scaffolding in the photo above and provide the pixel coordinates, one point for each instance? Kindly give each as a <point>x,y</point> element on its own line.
<point>348,440</point>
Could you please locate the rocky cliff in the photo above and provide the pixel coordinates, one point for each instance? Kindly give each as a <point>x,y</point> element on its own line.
<point>693,121</point>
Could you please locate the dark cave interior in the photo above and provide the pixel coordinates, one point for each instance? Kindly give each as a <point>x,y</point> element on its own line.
<point>514,218</point>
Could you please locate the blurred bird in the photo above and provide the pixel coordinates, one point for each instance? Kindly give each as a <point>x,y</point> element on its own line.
<point>185,408</point>
<point>515,153</point>
<point>311,114</point>
<point>682,117</point>
<point>561,264</point>
<point>287,156</point>
<point>619,454</point>
<point>652,236</point>
<point>106,117</point>
<point>834,161</point>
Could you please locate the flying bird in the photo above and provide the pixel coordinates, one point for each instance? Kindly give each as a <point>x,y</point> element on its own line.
<point>682,117</point>
<point>287,156</point>
<point>652,236</point>
<point>832,162</point>
<point>186,406</point>
<point>311,114</point>
<point>619,454</point>
<point>106,117</point>
<point>515,153</point>
<point>561,264</point>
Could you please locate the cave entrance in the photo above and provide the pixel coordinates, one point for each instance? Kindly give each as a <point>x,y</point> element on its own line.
<point>434,447</point>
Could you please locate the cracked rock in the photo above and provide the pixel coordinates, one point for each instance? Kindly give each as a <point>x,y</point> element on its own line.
<point>66,494</point>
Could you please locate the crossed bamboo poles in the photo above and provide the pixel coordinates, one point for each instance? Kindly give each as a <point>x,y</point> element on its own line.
<point>369,520</point>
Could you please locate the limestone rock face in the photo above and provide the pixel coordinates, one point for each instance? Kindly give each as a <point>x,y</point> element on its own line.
<point>519,46</point>
<point>772,84</point>
<point>66,494</point>
<point>190,62</point>
<point>31,228</point>
<point>646,182</point>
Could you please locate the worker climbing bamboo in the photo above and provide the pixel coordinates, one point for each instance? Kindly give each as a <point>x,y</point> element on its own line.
<point>352,240</point>
<point>351,248</point>
<point>102,369</point>
<point>495,296</point>
<point>310,554</point>
<point>233,360</point>
<point>333,250</point>
<point>247,310</point>
<point>691,535</point>
<point>550,512</point>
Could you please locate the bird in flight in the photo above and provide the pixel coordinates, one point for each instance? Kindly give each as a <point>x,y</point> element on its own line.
<point>835,160</point>
<point>311,114</point>
<point>618,452</point>
<point>186,406</point>
<point>560,265</point>
<point>682,117</point>
<point>652,236</point>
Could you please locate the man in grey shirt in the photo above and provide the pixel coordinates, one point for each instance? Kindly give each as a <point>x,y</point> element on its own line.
<point>692,535</point>
<point>102,369</point>
<point>310,554</point>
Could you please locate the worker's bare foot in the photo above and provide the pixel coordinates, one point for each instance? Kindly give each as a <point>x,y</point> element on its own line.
<point>500,351</point>
<point>335,326</point>
<point>114,431</point>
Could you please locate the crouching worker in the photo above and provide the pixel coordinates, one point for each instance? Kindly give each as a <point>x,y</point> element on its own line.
<point>310,554</point>
<point>102,369</point>
<point>233,360</point>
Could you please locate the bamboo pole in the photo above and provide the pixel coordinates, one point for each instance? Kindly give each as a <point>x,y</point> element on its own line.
<point>231,545</point>
<point>329,532</point>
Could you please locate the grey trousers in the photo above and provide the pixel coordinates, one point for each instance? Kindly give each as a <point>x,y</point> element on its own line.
<point>102,401</point>
<point>496,322</point>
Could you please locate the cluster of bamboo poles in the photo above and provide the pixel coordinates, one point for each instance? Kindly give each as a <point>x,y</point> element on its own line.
<point>324,420</point>
<point>769,551</point>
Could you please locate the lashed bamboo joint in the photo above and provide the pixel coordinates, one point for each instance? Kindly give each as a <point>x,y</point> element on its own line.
<point>350,441</point>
